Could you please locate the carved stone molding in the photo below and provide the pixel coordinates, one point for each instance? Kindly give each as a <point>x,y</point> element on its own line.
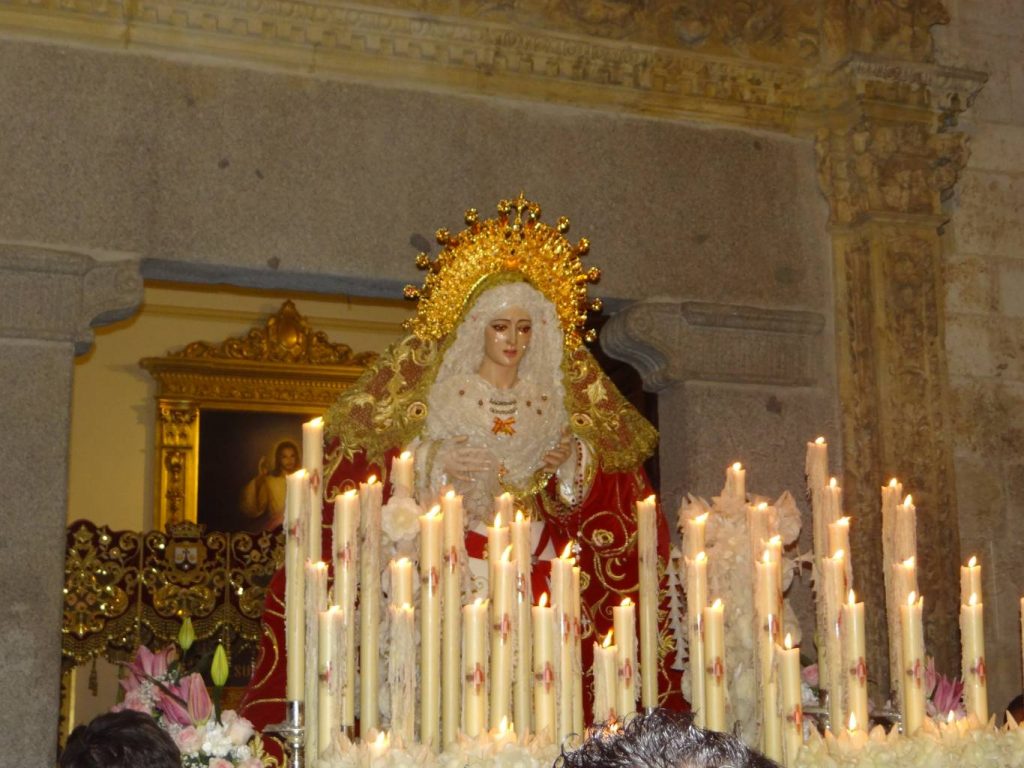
<point>885,171</point>
<point>59,296</point>
<point>671,342</point>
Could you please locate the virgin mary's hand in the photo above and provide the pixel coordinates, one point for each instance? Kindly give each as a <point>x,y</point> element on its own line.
<point>557,455</point>
<point>462,460</point>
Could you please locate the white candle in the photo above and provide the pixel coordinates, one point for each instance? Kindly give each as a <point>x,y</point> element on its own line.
<point>561,594</point>
<point>854,661</point>
<point>521,693</point>
<point>694,535</point>
<point>905,530</point>
<point>604,680</point>
<point>430,625</point>
<point>403,474</point>
<point>768,624</point>
<point>833,501</point>
<point>502,601</point>
<point>453,542</point>
<point>839,536</point>
<point>735,483</point>
<point>577,652</point>
<point>913,663</point>
<point>624,623</point>
<point>816,463</point>
<point>474,675</point>
<point>401,581</point>
<point>788,660</point>
<point>316,602</point>
<point>346,578</point>
<point>972,636</point>
<point>497,539</point>
<point>696,600</point>
<point>544,669</point>
<point>295,584</point>
<point>970,580</point>
<point>313,463</point>
<point>647,552</point>
<point>330,662</point>
<point>714,666</point>
<point>833,592</point>
<point>503,505</point>
<point>370,500</point>
<point>402,672</point>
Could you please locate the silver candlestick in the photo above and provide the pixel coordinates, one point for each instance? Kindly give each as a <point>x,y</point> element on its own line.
<point>292,733</point>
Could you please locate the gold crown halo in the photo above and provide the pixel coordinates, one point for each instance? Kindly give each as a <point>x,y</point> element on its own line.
<point>515,245</point>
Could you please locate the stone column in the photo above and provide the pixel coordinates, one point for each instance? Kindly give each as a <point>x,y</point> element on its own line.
<point>48,302</point>
<point>734,383</point>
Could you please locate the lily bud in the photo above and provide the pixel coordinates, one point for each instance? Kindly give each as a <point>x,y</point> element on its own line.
<point>186,635</point>
<point>219,668</point>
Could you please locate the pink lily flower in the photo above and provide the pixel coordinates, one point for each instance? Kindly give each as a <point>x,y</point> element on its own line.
<point>187,703</point>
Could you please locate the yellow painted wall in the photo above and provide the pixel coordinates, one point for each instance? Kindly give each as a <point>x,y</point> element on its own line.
<point>113,410</point>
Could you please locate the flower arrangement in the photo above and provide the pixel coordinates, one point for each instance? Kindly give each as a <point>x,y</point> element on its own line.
<point>159,684</point>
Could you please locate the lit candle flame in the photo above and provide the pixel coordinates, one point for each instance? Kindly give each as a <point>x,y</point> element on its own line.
<point>832,482</point>
<point>370,481</point>
<point>762,506</point>
<point>844,520</point>
<point>702,518</point>
<point>350,492</point>
<point>789,642</point>
<point>478,602</point>
<point>320,565</point>
<point>567,552</point>
<point>766,557</point>
<point>503,726</point>
<point>519,516</point>
<point>449,494</point>
<point>972,562</point>
<point>717,605</point>
<point>405,455</point>
<point>893,483</point>
<point>652,499</point>
<point>736,467</point>
<point>318,421</point>
<point>406,607</point>
<point>506,556</point>
<point>626,602</point>
<point>973,599</point>
<point>839,555</point>
<point>608,639</point>
<point>497,519</point>
<point>853,722</point>
<point>435,511</point>
<point>543,600</point>
<point>950,717</point>
<point>775,540</point>
<point>820,440</point>
<point>909,562</point>
<point>912,598</point>
<point>851,598</point>
<point>909,501</point>
<point>701,557</point>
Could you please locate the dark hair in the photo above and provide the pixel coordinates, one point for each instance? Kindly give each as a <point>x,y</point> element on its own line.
<point>124,739</point>
<point>661,739</point>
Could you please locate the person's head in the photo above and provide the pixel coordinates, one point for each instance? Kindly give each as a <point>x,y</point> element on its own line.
<point>1016,708</point>
<point>125,739</point>
<point>286,458</point>
<point>508,318</point>
<point>661,739</point>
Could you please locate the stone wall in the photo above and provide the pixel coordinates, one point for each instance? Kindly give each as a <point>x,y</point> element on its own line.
<point>985,323</point>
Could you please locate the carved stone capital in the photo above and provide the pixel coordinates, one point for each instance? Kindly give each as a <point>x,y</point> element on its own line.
<point>670,342</point>
<point>59,296</point>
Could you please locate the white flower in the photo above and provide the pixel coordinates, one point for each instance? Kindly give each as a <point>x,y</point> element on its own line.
<point>400,518</point>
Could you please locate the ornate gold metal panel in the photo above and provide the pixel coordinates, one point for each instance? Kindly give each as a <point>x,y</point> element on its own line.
<point>281,366</point>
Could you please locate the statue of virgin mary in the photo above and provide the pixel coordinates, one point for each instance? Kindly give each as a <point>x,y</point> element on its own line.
<point>494,391</point>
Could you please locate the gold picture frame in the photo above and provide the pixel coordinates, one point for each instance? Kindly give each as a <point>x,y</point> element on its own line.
<point>282,366</point>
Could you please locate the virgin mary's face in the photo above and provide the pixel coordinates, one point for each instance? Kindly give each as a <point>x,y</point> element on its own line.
<point>507,336</point>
